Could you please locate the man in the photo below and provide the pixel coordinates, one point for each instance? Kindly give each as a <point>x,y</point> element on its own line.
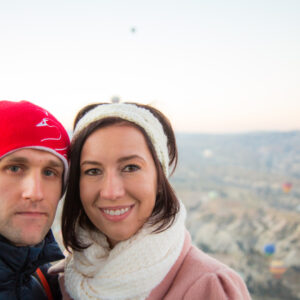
<point>33,174</point>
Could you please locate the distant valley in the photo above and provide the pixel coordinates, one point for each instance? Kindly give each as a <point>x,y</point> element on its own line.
<point>242,192</point>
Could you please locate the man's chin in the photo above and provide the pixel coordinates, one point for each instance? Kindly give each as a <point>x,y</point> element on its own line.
<point>29,241</point>
<point>29,237</point>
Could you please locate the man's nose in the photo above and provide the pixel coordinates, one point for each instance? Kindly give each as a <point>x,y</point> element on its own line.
<point>33,187</point>
<point>112,186</point>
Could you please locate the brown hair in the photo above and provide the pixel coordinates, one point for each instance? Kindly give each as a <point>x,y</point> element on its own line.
<point>166,204</point>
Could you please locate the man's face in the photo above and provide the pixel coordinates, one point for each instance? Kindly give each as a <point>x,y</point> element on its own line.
<point>30,188</point>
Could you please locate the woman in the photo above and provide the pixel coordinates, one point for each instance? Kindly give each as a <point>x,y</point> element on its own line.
<point>121,219</point>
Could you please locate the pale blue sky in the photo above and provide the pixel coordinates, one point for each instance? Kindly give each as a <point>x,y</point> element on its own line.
<point>210,66</point>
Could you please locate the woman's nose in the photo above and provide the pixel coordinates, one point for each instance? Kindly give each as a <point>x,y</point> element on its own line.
<point>113,186</point>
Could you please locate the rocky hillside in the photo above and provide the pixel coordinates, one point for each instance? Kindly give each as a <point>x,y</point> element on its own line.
<point>233,188</point>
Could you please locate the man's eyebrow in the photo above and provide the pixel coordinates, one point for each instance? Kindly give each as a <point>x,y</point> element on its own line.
<point>55,164</point>
<point>24,160</point>
<point>17,159</point>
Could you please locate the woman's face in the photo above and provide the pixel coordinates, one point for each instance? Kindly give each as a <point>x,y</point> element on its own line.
<point>118,181</point>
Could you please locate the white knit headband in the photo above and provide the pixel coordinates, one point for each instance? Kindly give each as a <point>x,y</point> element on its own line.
<point>138,115</point>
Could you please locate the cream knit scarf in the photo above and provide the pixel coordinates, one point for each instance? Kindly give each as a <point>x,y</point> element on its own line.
<point>131,270</point>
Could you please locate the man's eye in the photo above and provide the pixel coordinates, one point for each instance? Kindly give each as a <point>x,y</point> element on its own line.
<point>49,173</point>
<point>92,172</point>
<point>131,168</point>
<point>14,169</point>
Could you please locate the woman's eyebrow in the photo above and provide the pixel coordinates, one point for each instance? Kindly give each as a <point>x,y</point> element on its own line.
<point>121,159</point>
<point>90,162</point>
<point>129,157</point>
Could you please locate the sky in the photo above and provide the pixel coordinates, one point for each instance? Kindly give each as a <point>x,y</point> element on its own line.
<point>211,66</point>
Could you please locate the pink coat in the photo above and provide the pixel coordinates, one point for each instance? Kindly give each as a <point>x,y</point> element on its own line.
<point>197,276</point>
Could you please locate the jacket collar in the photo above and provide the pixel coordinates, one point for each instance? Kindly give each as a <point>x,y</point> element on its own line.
<point>26,259</point>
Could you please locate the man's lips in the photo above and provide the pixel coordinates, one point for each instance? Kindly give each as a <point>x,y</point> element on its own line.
<point>31,213</point>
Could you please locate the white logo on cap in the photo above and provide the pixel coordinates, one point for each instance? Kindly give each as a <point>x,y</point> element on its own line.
<point>44,123</point>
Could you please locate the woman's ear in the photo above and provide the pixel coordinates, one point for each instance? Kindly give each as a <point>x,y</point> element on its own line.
<point>159,190</point>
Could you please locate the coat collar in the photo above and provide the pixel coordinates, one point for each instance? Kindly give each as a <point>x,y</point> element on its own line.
<point>160,291</point>
<point>25,260</point>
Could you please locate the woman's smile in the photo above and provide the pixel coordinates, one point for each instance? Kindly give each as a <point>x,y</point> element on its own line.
<point>116,214</point>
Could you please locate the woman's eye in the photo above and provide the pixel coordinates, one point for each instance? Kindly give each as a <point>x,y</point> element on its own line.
<point>92,172</point>
<point>131,168</point>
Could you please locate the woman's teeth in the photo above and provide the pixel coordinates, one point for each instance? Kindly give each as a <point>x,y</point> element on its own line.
<point>116,212</point>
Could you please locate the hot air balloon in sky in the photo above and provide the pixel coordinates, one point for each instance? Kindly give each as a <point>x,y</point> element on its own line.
<point>287,186</point>
<point>269,249</point>
<point>277,268</point>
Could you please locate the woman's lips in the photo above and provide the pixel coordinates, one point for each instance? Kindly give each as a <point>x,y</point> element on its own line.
<point>117,213</point>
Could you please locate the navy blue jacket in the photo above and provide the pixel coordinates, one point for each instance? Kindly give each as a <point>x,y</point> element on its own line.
<point>18,264</point>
